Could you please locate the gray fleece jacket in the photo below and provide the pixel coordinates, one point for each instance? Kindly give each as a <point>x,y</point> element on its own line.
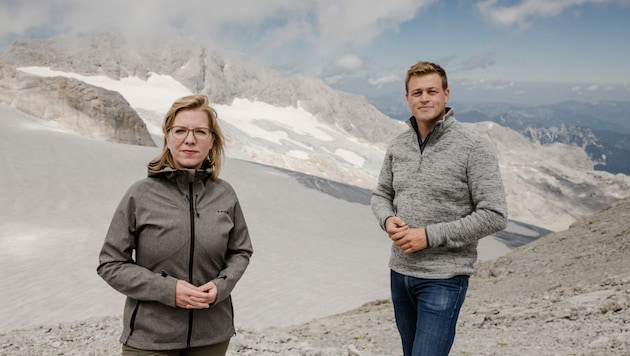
<point>175,224</point>
<point>453,188</point>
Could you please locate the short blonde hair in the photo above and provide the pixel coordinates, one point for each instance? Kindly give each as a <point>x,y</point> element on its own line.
<point>424,68</point>
<point>192,102</point>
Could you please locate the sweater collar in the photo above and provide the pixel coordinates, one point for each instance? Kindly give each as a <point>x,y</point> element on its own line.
<point>445,122</point>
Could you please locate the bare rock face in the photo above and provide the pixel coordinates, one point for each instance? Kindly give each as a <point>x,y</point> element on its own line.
<point>222,76</point>
<point>74,105</point>
<point>550,185</point>
<point>564,294</point>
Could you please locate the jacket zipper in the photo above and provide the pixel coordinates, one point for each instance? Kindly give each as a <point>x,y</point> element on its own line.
<point>192,253</point>
<point>132,321</point>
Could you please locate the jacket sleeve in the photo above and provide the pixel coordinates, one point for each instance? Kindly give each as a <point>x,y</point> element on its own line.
<point>237,256</point>
<point>382,201</point>
<point>117,266</point>
<point>489,214</point>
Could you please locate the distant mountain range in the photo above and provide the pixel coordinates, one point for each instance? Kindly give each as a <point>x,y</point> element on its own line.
<point>602,129</point>
<point>109,88</point>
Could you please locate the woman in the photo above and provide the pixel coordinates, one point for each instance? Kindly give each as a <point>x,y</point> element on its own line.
<point>178,243</point>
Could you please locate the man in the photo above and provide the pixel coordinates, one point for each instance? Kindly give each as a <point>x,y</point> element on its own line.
<point>439,192</point>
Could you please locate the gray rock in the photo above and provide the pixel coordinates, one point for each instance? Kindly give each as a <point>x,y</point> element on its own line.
<point>74,105</point>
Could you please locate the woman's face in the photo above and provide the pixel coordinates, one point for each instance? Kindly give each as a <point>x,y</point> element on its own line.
<point>191,150</point>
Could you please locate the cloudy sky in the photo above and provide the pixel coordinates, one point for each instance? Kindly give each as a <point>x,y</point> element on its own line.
<point>528,51</point>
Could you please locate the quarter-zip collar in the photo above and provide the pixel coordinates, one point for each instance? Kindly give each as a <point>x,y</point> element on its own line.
<point>437,131</point>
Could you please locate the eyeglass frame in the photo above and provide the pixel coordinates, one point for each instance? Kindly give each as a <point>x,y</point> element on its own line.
<point>210,132</point>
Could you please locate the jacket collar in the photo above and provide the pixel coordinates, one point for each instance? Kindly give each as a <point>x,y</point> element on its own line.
<point>185,175</point>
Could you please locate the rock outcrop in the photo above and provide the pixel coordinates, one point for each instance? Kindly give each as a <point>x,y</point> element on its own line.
<point>74,105</point>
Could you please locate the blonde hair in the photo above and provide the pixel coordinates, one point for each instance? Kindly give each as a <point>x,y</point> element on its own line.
<point>192,102</point>
<point>424,68</point>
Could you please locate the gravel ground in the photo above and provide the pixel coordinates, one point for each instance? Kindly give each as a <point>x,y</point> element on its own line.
<point>564,294</point>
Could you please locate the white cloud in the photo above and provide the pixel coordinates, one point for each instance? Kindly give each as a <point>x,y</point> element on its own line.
<point>497,85</point>
<point>476,61</point>
<point>384,80</point>
<point>353,22</point>
<point>485,84</point>
<point>577,90</point>
<point>334,79</point>
<point>524,13</point>
<point>349,62</point>
<point>326,26</point>
<point>346,65</point>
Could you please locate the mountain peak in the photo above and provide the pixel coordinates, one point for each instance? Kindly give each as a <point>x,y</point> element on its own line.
<point>297,123</point>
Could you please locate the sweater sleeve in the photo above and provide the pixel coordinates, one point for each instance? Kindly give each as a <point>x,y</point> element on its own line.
<point>382,201</point>
<point>117,266</point>
<point>489,214</point>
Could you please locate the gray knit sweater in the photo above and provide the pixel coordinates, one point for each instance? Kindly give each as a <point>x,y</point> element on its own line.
<point>453,189</point>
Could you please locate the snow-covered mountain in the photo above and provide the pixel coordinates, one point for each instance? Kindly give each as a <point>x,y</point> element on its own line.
<point>296,123</point>
<point>70,104</point>
<point>318,249</point>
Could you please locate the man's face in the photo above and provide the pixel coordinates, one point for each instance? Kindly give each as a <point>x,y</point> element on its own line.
<point>426,98</point>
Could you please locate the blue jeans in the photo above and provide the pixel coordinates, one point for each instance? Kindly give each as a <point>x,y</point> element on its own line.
<point>426,312</point>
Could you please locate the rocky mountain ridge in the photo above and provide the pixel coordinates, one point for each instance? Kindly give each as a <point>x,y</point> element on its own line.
<point>222,76</point>
<point>548,185</point>
<point>602,129</point>
<point>85,109</point>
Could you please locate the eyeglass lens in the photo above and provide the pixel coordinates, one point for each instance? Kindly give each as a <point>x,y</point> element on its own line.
<point>180,132</point>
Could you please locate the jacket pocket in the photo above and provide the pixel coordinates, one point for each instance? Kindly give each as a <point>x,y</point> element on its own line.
<point>132,321</point>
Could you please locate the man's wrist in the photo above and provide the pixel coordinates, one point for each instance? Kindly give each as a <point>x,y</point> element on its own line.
<point>385,222</point>
<point>426,236</point>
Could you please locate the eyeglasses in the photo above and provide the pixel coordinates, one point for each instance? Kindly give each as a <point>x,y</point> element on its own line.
<point>180,132</point>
